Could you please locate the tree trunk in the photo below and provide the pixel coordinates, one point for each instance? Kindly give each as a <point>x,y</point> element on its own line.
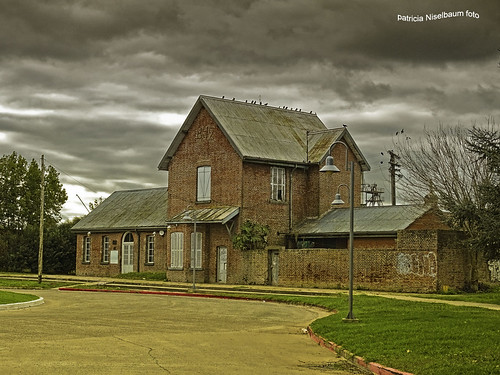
<point>472,276</point>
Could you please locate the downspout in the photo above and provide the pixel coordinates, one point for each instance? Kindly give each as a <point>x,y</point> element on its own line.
<point>290,203</point>
<point>138,250</point>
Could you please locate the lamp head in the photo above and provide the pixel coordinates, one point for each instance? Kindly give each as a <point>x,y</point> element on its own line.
<point>329,166</point>
<point>337,200</point>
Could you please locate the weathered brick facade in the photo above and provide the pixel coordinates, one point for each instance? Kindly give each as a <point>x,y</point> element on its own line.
<point>247,185</point>
<point>97,267</point>
<point>419,256</point>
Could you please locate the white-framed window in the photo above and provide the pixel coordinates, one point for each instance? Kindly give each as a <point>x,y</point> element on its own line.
<point>198,244</point>
<point>204,184</point>
<point>105,249</point>
<point>150,249</point>
<point>176,250</point>
<point>86,249</point>
<point>278,184</point>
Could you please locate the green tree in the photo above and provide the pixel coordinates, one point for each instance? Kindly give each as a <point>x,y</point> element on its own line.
<point>485,143</point>
<point>93,205</point>
<point>445,164</point>
<point>12,173</point>
<point>60,244</point>
<point>20,210</point>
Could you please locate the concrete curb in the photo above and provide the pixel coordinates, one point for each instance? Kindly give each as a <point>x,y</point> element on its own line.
<point>21,305</point>
<point>374,367</point>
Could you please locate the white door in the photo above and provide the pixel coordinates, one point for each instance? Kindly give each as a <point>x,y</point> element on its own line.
<point>221,264</point>
<point>128,254</point>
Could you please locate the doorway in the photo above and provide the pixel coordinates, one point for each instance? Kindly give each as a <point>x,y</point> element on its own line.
<point>222,264</point>
<point>273,266</point>
<point>128,253</point>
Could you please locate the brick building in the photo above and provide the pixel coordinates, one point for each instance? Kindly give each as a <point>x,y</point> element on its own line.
<point>125,233</point>
<point>233,162</point>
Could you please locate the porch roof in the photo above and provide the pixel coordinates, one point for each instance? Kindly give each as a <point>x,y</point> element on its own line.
<point>206,215</point>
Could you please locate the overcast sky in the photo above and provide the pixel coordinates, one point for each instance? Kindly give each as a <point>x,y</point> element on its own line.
<point>101,87</point>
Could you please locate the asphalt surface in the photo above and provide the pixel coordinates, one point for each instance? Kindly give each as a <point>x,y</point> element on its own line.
<point>116,333</point>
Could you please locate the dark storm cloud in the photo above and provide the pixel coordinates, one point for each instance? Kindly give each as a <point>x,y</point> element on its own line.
<point>101,87</point>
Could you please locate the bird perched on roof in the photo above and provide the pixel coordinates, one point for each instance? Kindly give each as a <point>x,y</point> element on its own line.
<point>344,125</point>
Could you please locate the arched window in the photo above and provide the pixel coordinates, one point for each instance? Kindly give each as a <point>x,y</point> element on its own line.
<point>128,238</point>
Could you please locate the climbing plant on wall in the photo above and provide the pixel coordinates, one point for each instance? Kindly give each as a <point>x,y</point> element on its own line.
<point>251,236</point>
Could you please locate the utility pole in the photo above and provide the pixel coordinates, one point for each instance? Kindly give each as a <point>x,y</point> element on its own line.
<point>394,169</point>
<point>42,203</point>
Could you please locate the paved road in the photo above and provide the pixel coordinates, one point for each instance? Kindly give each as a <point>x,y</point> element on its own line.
<point>113,333</point>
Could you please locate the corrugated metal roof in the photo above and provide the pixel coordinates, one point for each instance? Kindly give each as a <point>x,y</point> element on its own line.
<point>207,215</point>
<point>367,220</point>
<point>260,132</point>
<point>263,132</point>
<point>128,210</point>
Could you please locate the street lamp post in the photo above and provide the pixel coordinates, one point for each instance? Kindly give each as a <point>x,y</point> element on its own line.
<point>330,167</point>
<point>193,219</point>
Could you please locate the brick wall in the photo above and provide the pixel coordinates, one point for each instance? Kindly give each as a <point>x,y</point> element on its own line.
<point>96,266</point>
<point>452,262</point>
<point>406,263</point>
<point>428,220</point>
<point>254,268</point>
<point>204,145</point>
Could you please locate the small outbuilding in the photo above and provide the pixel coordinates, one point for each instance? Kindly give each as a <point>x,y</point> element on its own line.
<point>125,233</point>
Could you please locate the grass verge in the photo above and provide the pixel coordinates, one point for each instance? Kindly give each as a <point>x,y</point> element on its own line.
<point>30,284</point>
<point>11,297</point>
<point>150,276</point>
<point>422,338</point>
<point>490,296</point>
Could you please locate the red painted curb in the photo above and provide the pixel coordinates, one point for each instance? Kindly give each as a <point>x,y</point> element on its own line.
<point>178,294</point>
<point>374,367</point>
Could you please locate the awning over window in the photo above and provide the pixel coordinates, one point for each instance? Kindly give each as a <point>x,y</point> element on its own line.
<point>206,215</point>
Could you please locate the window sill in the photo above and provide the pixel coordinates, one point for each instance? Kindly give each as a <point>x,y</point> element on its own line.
<point>85,262</point>
<point>176,269</point>
<point>272,201</point>
<point>149,264</point>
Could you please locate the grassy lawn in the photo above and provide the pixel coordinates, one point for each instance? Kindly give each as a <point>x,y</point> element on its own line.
<point>11,297</point>
<point>150,276</point>
<point>491,296</point>
<point>418,337</point>
<point>29,284</point>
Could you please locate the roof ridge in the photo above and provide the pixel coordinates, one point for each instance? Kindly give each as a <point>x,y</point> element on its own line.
<point>141,189</point>
<point>260,104</point>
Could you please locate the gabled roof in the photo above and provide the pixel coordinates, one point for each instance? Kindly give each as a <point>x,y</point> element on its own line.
<point>367,221</point>
<point>265,133</point>
<point>127,210</point>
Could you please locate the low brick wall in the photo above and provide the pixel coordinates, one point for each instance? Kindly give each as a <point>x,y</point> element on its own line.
<point>389,269</point>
